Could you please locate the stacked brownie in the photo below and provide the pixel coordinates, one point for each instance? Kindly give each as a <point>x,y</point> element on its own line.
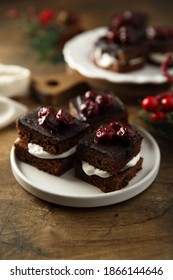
<point>124,48</point>
<point>106,156</point>
<point>48,138</point>
<point>130,42</point>
<point>110,157</point>
<point>97,107</point>
<point>160,41</point>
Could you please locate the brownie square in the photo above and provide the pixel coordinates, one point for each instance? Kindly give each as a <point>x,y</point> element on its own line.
<point>97,107</point>
<point>160,39</point>
<point>109,165</point>
<point>120,58</point>
<point>48,142</point>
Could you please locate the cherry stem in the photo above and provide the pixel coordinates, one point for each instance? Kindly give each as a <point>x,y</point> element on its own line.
<point>164,67</point>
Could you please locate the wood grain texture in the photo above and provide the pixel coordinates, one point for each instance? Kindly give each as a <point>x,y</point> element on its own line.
<point>140,228</point>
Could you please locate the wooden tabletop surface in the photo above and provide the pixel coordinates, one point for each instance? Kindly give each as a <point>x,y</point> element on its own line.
<point>140,228</point>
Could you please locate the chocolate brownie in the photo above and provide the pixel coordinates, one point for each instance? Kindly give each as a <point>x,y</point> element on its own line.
<point>96,107</point>
<point>137,20</point>
<point>160,43</point>
<point>124,47</point>
<point>48,139</point>
<point>109,157</point>
<point>112,55</point>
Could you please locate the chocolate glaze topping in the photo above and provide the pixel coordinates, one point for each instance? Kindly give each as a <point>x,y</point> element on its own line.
<point>61,133</point>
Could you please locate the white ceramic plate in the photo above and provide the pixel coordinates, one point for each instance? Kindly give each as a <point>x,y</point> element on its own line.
<point>14,80</point>
<point>70,191</point>
<point>10,110</point>
<point>78,55</point>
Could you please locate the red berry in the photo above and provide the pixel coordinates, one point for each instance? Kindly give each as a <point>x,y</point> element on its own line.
<point>150,103</point>
<point>105,135</point>
<point>113,36</point>
<point>163,94</point>
<point>91,94</point>
<point>167,103</point>
<point>104,101</point>
<point>115,125</point>
<point>127,134</point>
<point>89,108</point>
<point>46,15</point>
<point>47,119</point>
<point>64,117</point>
<point>158,116</point>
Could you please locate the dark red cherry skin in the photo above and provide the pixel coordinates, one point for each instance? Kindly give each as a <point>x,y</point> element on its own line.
<point>64,117</point>
<point>150,103</point>
<point>160,33</point>
<point>91,94</point>
<point>167,103</point>
<point>105,135</point>
<point>113,36</point>
<point>115,125</point>
<point>125,35</point>
<point>89,108</point>
<point>127,18</point>
<point>127,134</point>
<point>47,119</point>
<point>104,101</point>
<point>163,94</point>
<point>158,116</point>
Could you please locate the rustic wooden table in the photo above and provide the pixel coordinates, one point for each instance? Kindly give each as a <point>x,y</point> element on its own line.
<point>140,228</point>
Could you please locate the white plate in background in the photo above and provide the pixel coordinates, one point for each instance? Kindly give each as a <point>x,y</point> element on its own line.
<point>10,110</point>
<point>78,55</point>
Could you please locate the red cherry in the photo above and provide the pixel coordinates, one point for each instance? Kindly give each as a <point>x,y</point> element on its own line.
<point>163,94</point>
<point>64,117</point>
<point>104,101</point>
<point>113,35</point>
<point>167,103</point>
<point>127,134</point>
<point>115,125</point>
<point>150,103</point>
<point>105,135</point>
<point>89,108</point>
<point>46,15</point>
<point>91,94</point>
<point>47,119</point>
<point>158,116</point>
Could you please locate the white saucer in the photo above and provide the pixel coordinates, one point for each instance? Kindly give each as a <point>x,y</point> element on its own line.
<point>78,55</point>
<point>10,110</point>
<point>70,191</point>
<point>14,80</point>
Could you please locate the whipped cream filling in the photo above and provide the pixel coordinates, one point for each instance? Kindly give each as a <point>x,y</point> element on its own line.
<point>38,151</point>
<point>91,170</point>
<point>106,60</point>
<point>158,57</point>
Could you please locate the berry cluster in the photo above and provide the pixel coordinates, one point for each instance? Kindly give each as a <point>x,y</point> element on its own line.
<point>94,103</point>
<point>115,131</point>
<point>126,28</point>
<point>125,35</point>
<point>51,119</point>
<point>125,19</point>
<point>158,105</point>
<point>160,33</point>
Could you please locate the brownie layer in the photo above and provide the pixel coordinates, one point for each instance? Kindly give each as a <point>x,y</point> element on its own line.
<point>52,166</point>
<point>30,131</point>
<point>110,158</point>
<point>124,57</point>
<point>112,183</point>
<point>116,112</point>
